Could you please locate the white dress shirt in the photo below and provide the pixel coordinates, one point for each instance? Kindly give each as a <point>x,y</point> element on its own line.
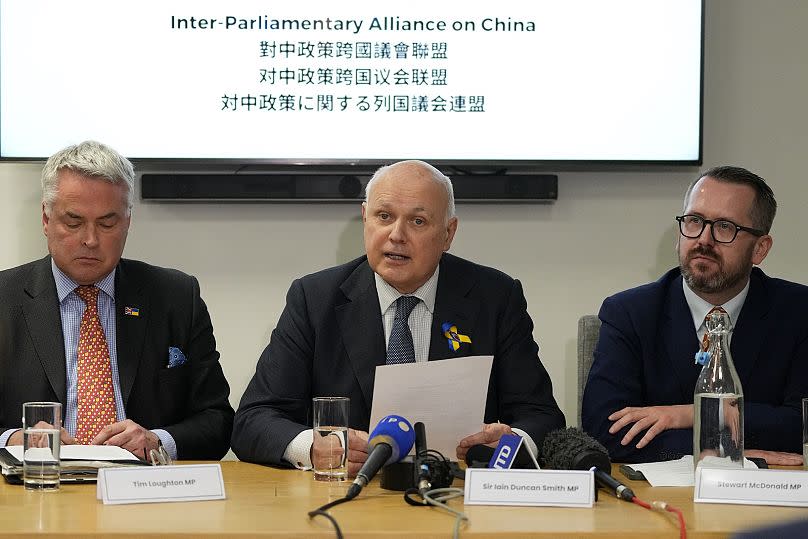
<point>699,308</point>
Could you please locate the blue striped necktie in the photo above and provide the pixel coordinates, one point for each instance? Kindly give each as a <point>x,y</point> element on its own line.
<point>400,348</point>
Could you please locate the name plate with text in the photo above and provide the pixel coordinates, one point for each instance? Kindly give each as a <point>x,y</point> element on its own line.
<point>152,484</point>
<point>486,486</point>
<point>751,487</point>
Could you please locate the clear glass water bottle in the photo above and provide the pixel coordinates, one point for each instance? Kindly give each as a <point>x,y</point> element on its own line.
<point>718,400</point>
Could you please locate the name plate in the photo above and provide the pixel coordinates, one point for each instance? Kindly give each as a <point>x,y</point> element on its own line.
<point>557,488</point>
<point>751,487</point>
<point>152,484</point>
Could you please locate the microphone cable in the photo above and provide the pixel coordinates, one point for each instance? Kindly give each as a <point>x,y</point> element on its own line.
<point>438,473</point>
<point>664,506</point>
<point>440,502</point>
<point>437,497</point>
<point>323,512</point>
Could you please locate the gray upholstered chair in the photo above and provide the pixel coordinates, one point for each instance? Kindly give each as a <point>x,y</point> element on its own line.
<point>588,331</point>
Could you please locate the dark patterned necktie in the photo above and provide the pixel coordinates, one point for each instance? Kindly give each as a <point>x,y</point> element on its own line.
<point>400,348</point>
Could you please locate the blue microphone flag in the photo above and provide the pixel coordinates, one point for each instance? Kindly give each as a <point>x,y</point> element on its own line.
<point>506,451</point>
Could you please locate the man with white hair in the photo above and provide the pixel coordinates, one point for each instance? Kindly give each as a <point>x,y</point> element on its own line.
<point>126,347</point>
<point>339,324</point>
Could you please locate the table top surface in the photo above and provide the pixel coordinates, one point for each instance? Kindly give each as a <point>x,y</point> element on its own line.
<point>269,502</point>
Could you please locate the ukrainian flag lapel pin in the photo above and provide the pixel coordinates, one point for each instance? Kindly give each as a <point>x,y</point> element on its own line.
<point>453,336</point>
<point>131,311</point>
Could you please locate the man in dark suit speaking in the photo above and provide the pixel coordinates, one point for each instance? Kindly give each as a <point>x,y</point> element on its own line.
<point>638,400</point>
<point>127,348</point>
<point>337,325</point>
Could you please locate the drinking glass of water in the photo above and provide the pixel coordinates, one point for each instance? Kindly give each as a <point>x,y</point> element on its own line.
<point>41,424</point>
<point>330,444</point>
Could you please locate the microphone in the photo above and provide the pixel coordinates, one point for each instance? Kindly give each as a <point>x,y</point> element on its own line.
<point>390,441</point>
<point>573,449</point>
<point>423,481</point>
<point>479,456</point>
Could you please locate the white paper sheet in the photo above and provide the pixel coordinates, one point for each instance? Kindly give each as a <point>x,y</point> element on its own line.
<point>674,473</point>
<point>447,396</point>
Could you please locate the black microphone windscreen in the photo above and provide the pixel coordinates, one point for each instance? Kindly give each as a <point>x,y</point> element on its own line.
<point>573,449</point>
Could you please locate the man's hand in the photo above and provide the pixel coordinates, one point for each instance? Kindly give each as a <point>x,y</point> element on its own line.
<point>16,438</point>
<point>653,418</point>
<point>777,458</point>
<point>489,436</point>
<point>357,450</point>
<point>327,451</point>
<point>130,436</point>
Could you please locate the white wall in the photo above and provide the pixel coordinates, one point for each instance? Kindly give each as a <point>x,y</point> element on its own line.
<point>608,231</point>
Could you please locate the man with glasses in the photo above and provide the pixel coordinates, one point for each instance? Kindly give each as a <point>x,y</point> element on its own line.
<point>638,400</point>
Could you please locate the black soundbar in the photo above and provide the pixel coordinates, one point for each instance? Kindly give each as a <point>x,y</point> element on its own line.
<point>333,187</point>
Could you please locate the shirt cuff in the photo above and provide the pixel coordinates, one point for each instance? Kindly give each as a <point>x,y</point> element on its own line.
<point>5,436</point>
<point>168,442</point>
<point>298,452</point>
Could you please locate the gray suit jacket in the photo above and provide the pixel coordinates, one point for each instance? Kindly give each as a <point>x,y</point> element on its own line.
<point>188,401</point>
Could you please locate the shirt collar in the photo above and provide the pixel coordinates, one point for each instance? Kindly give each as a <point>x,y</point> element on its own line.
<point>65,285</point>
<point>699,308</point>
<point>426,293</point>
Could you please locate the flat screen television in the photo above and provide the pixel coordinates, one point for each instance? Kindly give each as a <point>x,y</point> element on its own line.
<point>509,84</point>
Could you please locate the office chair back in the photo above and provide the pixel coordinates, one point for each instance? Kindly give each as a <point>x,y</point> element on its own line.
<point>588,332</point>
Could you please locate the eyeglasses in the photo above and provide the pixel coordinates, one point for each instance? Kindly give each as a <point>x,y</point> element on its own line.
<point>723,231</point>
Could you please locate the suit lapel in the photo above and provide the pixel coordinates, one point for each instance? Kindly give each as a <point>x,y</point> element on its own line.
<point>453,306</point>
<point>130,330</point>
<point>747,333</point>
<point>360,323</point>
<point>44,321</point>
<point>680,339</point>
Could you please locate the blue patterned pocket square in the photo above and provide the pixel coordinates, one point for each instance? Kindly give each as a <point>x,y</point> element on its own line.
<point>175,357</point>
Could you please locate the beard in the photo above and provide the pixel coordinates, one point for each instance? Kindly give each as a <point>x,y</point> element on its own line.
<point>701,278</point>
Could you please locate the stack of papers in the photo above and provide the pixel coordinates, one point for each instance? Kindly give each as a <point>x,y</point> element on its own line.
<point>674,473</point>
<point>78,462</point>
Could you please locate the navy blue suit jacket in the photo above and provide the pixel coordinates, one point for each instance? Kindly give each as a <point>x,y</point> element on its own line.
<point>330,338</point>
<point>644,357</point>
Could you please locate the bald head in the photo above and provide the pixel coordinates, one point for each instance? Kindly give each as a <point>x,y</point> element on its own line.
<point>403,170</point>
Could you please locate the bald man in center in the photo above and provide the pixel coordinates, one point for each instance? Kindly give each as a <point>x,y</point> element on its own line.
<point>338,322</point>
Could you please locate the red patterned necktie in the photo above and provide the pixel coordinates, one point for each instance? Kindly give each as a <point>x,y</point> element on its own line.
<point>96,397</point>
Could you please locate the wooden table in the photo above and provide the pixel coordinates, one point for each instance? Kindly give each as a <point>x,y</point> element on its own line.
<point>267,502</point>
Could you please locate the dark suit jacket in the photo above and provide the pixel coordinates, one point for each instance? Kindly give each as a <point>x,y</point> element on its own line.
<point>644,357</point>
<point>330,338</point>
<point>188,401</point>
